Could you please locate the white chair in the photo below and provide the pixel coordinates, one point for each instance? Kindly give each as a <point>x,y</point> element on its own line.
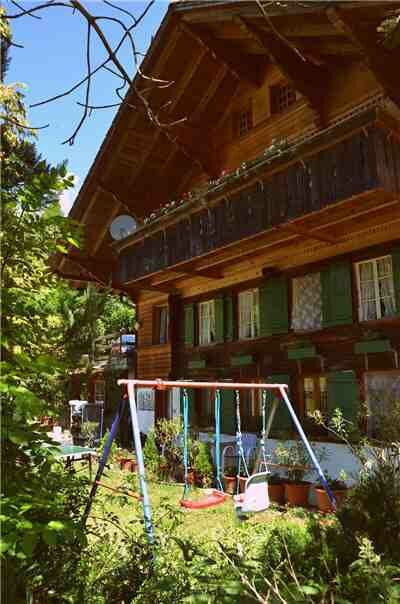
<point>255,497</point>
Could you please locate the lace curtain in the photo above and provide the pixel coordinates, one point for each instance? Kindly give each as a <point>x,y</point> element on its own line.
<point>307,302</point>
<point>383,391</point>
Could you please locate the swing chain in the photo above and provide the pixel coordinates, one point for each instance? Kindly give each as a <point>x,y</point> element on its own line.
<point>264,429</point>
<point>239,441</point>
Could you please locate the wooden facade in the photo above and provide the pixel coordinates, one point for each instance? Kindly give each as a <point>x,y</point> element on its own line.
<point>285,172</point>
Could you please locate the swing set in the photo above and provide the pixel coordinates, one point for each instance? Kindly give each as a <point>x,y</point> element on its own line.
<point>255,497</point>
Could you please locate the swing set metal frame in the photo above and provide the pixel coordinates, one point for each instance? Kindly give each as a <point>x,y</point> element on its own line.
<point>160,384</point>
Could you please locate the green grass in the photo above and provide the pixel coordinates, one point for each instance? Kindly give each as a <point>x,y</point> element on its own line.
<point>205,524</point>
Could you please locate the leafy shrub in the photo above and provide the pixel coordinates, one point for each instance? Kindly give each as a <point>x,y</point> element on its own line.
<point>372,508</point>
<point>168,433</point>
<point>151,454</point>
<point>202,462</point>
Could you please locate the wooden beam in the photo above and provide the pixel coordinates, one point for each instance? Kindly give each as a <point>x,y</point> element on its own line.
<point>229,56</point>
<point>307,78</point>
<point>209,92</point>
<point>382,62</point>
<point>309,234</point>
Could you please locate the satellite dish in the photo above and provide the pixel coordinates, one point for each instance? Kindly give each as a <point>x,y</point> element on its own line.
<point>122,227</point>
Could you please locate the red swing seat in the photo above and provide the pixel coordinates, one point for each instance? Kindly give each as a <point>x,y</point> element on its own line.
<point>214,498</point>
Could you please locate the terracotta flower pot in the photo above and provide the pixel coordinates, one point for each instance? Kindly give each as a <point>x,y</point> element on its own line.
<point>277,493</point>
<point>323,501</point>
<point>297,493</point>
<point>230,484</point>
<point>129,465</point>
<point>242,483</point>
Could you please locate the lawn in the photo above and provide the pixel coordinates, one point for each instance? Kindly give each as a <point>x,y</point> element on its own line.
<point>208,524</point>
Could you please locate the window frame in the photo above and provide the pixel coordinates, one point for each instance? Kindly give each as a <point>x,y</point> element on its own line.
<point>245,111</point>
<point>316,377</point>
<point>254,314</point>
<point>274,92</point>
<point>377,300</point>
<point>211,319</point>
<point>158,323</point>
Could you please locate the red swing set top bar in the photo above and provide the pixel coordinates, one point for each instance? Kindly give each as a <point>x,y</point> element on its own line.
<point>163,384</point>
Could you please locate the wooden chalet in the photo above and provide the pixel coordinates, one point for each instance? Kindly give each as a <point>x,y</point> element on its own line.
<point>268,237</point>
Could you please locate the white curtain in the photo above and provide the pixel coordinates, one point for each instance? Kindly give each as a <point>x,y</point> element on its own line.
<point>386,289</point>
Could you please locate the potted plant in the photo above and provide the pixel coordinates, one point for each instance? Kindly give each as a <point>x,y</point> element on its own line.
<point>294,458</point>
<point>339,491</point>
<point>276,488</point>
<point>230,479</point>
<point>202,464</point>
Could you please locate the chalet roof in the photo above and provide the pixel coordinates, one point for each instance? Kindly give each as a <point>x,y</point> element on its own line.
<point>223,43</point>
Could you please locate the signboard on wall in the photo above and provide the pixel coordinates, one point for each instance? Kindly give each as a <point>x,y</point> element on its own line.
<point>145,404</point>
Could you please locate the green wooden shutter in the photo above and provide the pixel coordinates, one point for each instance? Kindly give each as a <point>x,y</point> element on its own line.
<point>282,420</point>
<point>229,319</point>
<point>274,306</point>
<point>228,412</point>
<point>396,277</point>
<point>343,393</point>
<point>189,324</point>
<point>219,319</point>
<point>337,301</point>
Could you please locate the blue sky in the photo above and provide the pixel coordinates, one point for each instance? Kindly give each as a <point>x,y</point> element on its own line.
<point>53,59</point>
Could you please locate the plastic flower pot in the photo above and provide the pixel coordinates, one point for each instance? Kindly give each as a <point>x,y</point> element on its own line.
<point>230,484</point>
<point>277,492</point>
<point>296,493</point>
<point>323,501</point>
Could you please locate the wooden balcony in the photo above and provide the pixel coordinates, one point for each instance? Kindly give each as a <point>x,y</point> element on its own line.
<point>331,168</point>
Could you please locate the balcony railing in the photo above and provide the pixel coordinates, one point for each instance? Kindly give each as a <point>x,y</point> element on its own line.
<point>366,160</point>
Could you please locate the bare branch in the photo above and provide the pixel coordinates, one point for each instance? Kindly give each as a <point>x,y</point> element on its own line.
<point>92,107</point>
<point>71,139</point>
<point>276,32</point>
<point>123,10</point>
<point>35,9</point>
<point>76,86</point>
<point>16,123</point>
<point>22,8</point>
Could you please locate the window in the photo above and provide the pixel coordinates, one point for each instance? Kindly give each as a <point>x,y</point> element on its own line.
<point>307,302</point>
<point>206,322</point>
<point>243,121</point>
<point>282,96</point>
<point>315,394</point>
<point>249,316</point>
<point>99,391</point>
<point>161,325</point>
<point>383,399</point>
<point>375,289</point>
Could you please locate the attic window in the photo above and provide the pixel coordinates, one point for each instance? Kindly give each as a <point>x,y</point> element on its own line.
<point>282,96</point>
<point>243,121</point>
